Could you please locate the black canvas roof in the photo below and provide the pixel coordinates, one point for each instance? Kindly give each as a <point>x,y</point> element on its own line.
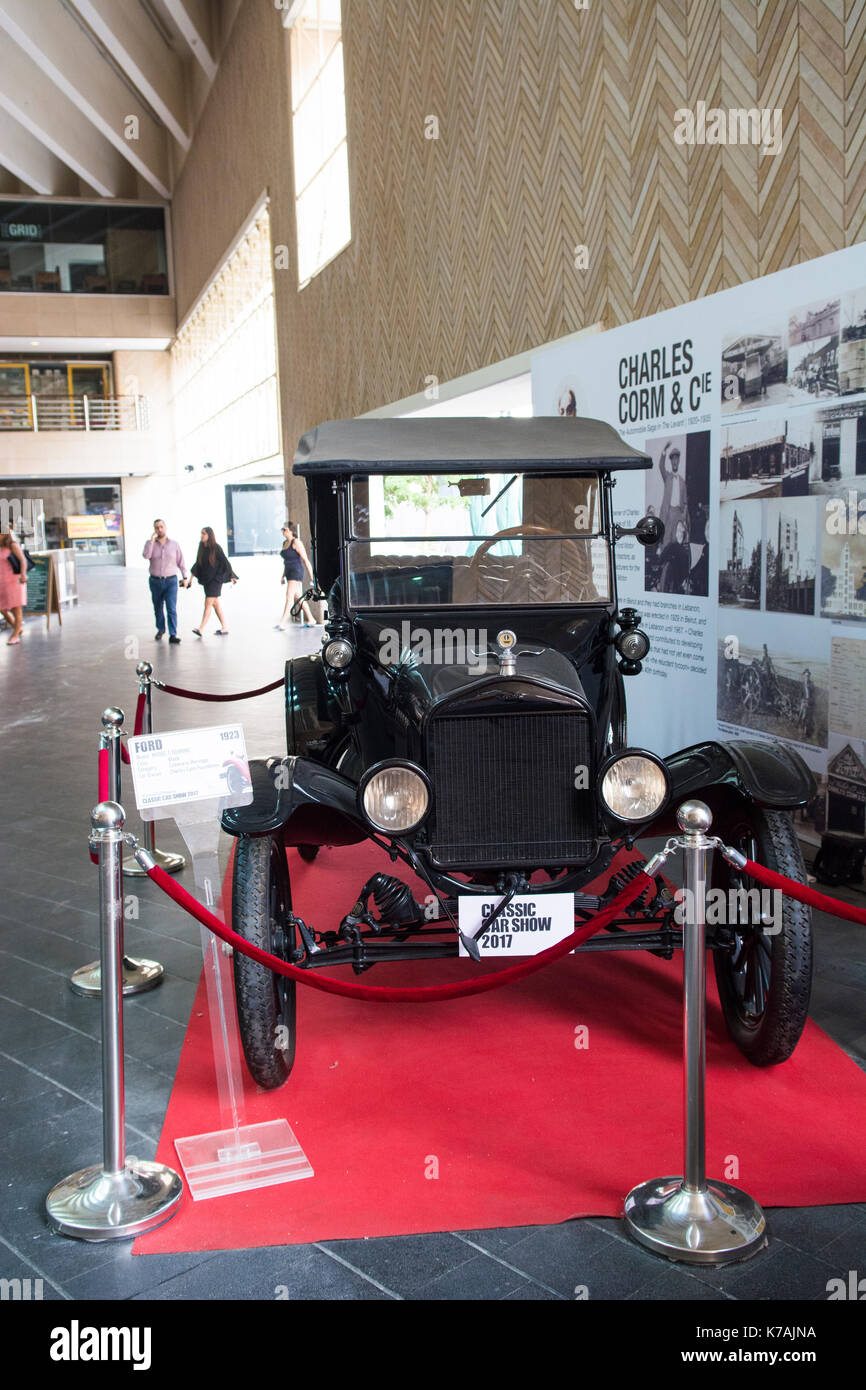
<point>549,443</point>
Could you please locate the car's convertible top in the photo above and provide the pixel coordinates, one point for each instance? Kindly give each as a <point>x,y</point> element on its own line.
<point>549,443</point>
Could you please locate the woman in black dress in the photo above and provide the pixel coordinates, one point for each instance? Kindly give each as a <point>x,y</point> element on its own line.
<point>295,561</point>
<point>212,570</point>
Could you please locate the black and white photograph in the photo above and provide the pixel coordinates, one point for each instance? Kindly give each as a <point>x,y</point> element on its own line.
<point>678,492</point>
<point>754,370</point>
<point>845,786</point>
<point>740,546</point>
<point>813,368</point>
<point>778,686</point>
<point>843,566</point>
<point>792,526</point>
<point>838,441</point>
<point>771,457</point>
<point>812,321</point>
<point>852,345</point>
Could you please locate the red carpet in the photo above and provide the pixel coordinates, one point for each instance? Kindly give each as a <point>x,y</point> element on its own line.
<point>523,1127</point>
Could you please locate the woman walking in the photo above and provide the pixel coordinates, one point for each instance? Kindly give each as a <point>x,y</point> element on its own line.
<point>13,585</point>
<point>212,570</point>
<point>295,561</point>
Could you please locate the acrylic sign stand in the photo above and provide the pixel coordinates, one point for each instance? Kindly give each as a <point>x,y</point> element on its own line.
<point>239,1156</point>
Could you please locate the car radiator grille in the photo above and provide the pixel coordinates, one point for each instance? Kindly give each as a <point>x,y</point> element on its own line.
<point>504,789</point>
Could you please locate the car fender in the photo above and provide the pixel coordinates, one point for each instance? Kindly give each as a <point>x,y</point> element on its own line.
<point>766,773</point>
<point>310,803</point>
<point>312,712</point>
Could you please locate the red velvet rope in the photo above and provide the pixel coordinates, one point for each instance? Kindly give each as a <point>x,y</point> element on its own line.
<point>102,792</point>
<point>429,994</point>
<point>804,894</point>
<point>199,695</point>
<point>139,723</point>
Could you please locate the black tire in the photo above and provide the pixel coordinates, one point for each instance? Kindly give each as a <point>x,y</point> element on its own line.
<point>308,852</point>
<point>261,904</point>
<point>765,981</point>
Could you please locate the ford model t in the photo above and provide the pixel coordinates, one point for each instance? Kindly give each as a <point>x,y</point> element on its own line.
<point>466,712</point>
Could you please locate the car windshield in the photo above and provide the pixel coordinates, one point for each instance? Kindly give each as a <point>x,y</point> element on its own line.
<point>425,539</point>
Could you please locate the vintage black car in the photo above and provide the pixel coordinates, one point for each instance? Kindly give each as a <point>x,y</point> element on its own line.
<point>467,712</point>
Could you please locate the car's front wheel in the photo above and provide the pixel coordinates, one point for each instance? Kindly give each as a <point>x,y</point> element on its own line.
<point>764,977</point>
<point>261,913</point>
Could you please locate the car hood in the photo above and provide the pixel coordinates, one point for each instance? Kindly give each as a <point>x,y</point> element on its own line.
<point>421,671</point>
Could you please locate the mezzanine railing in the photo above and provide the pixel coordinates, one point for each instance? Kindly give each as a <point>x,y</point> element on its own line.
<point>74,413</point>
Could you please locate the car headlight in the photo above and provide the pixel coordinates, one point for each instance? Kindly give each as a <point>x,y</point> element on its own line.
<point>339,653</point>
<point>395,798</point>
<point>634,787</point>
<point>633,645</point>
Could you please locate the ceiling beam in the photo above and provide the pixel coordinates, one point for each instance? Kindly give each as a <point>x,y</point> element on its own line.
<point>31,161</point>
<point>34,101</point>
<point>136,46</point>
<point>59,47</point>
<point>193,21</point>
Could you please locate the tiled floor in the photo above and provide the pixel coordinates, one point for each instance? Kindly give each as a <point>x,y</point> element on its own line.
<point>53,688</point>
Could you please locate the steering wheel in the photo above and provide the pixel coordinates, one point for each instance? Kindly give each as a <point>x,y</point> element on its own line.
<point>527,530</point>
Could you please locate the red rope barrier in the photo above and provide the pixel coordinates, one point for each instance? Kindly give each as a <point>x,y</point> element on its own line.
<point>104,794</point>
<point>139,723</point>
<point>200,695</point>
<point>102,791</point>
<point>428,994</point>
<point>804,894</point>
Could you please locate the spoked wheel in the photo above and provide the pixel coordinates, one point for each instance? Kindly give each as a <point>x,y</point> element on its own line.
<point>751,691</point>
<point>261,908</point>
<point>764,978</point>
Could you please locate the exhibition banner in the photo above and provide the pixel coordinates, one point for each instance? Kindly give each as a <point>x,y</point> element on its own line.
<point>751,404</point>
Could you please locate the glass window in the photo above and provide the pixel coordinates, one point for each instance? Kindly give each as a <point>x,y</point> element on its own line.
<point>476,539</point>
<point>77,248</point>
<point>224,366</point>
<point>319,136</point>
<point>254,514</point>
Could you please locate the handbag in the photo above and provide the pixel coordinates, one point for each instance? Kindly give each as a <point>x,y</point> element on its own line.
<point>16,563</point>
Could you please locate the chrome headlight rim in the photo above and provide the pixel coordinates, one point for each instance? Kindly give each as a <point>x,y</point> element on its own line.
<point>633,753</point>
<point>331,665</point>
<point>408,766</point>
<point>624,636</point>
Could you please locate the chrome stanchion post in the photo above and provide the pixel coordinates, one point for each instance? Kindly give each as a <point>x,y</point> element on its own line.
<point>172,863</point>
<point>691,1218</point>
<point>121,1197</point>
<point>138,975</point>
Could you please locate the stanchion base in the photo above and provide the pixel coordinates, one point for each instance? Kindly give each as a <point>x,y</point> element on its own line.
<point>94,1205</point>
<point>715,1226</point>
<point>240,1159</point>
<point>172,863</point>
<point>138,977</point>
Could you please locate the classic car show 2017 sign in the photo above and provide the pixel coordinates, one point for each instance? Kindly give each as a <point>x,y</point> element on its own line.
<point>526,926</point>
